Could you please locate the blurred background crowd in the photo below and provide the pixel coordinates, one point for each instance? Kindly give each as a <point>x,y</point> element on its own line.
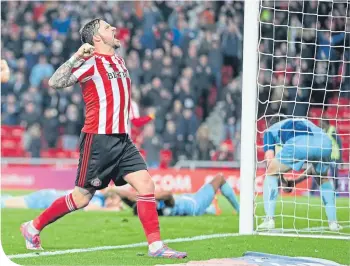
<point>185,61</point>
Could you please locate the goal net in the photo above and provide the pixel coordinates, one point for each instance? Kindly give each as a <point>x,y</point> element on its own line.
<point>304,72</point>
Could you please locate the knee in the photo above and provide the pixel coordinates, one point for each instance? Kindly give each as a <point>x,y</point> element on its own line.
<point>81,200</point>
<point>141,181</point>
<point>146,185</point>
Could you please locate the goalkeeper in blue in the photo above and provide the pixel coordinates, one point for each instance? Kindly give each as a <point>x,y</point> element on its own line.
<point>301,142</point>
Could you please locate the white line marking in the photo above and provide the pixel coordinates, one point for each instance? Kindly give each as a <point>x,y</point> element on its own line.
<point>176,240</point>
<point>303,230</point>
<point>307,236</point>
<point>141,244</point>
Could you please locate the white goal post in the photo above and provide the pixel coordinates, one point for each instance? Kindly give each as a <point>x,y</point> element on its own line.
<point>326,73</point>
<point>248,123</point>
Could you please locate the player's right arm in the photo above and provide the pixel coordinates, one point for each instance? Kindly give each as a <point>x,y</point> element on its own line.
<point>64,77</point>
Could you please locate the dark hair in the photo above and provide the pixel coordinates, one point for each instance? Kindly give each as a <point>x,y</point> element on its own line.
<point>88,31</point>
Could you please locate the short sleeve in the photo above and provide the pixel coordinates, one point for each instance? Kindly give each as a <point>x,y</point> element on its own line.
<point>85,70</point>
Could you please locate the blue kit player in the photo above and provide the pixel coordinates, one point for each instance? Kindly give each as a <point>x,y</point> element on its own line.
<point>301,142</point>
<point>195,204</point>
<point>104,200</point>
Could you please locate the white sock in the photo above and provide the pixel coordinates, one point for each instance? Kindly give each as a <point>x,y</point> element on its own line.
<point>153,247</point>
<point>32,230</point>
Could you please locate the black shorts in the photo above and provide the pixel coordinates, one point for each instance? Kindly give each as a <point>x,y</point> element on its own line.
<point>106,157</point>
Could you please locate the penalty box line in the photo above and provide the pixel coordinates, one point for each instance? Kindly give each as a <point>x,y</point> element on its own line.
<point>141,244</point>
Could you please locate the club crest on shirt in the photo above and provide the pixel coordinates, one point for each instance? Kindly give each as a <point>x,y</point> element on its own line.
<point>96,182</point>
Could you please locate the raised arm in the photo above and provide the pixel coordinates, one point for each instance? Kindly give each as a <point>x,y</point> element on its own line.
<point>63,77</point>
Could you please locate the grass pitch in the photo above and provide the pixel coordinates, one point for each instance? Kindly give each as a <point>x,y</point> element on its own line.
<point>94,229</point>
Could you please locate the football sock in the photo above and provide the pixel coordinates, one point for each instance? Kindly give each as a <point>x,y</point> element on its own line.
<point>58,209</point>
<point>328,198</point>
<point>270,192</point>
<point>147,212</point>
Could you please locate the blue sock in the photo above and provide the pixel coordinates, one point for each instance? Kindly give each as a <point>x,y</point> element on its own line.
<point>229,194</point>
<point>270,195</point>
<point>328,198</point>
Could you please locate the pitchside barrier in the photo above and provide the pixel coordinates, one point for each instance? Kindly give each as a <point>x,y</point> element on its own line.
<point>34,174</point>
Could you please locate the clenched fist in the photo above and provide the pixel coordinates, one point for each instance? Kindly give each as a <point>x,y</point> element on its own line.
<point>85,50</point>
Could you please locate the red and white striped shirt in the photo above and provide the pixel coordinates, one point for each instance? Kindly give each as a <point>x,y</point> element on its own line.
<point>106,88</point>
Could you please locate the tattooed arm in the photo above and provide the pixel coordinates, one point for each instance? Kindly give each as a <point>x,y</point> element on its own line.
<point>63,76</point>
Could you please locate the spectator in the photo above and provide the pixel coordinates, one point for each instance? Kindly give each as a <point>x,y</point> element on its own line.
<point>168,72</point>
<point>50,124</point>
<point>169,138</point>
<point>32,140</point>
<point>298,98</point>
<point>10,111</point>
<point>133,63</point>
<point>205,148</point>
<point>232,47</point>
<point>151,145</point>
<point>229,118</point>
<point>186,130</point>
<point>203,76</point>
<point>62,23</point>
<point>41,71</point>
<point>70,137</point>
<point>30,116</point>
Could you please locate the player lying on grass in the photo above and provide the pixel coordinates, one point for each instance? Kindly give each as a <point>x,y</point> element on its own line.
<point>302,142</point>
<point>195,204</point>
<point>103,200</point>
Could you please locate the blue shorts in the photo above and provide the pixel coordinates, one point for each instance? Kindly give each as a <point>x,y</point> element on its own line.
<point>42,199</point>
<point>203,197</point>
<point>315,149</point>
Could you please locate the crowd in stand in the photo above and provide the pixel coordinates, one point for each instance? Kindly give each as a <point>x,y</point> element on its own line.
<point>306,44</point>
<point>174,51</point>
<point>182,57</point>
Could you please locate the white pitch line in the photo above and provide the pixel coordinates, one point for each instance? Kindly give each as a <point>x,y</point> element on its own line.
<point>141,244</point>
<point>304,230</point>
